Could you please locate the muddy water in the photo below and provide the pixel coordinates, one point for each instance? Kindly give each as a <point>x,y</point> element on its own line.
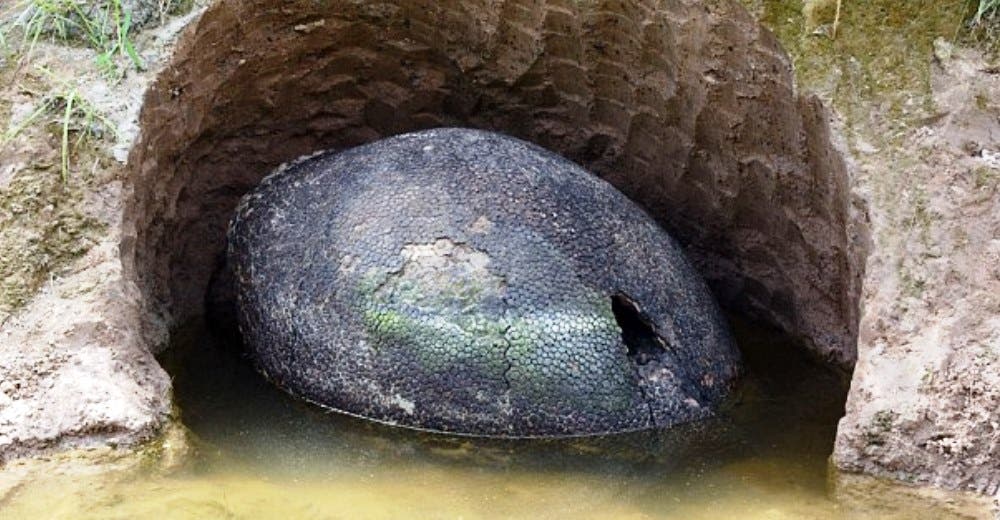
<point>261,454</point>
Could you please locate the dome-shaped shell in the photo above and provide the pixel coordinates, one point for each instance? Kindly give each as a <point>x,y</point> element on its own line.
<point>464,281</point>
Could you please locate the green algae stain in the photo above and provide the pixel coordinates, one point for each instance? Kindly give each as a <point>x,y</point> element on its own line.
<point>461,322</point>
<point>555,353</point>
<point>440,343</point>
<point>443,321</point>
<point>881,54</point>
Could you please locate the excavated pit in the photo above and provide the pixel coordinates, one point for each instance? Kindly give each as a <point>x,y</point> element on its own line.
<point>686,107</point>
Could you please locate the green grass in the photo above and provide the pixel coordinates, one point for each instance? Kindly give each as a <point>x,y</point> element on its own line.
<point>105,27</point>
<point>987,9</point>
<point>983,25</point>
<point>72,114</point>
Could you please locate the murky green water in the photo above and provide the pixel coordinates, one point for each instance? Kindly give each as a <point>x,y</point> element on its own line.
<point>261,454</point>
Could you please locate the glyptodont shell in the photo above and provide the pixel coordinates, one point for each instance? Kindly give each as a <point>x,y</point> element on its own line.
<point>468,282</point>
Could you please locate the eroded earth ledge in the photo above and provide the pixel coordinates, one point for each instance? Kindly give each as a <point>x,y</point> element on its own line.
<point>687,107</point>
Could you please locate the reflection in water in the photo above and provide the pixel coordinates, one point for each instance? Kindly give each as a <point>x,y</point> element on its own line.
<point>261,454</point>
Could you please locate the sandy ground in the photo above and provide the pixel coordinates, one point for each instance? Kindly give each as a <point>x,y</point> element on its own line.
<point>925,400</point>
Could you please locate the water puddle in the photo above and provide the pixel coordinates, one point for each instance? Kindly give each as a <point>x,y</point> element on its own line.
<point>261,454</point>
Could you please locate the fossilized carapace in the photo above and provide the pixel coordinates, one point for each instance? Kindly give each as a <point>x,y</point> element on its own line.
<point>468,282</point>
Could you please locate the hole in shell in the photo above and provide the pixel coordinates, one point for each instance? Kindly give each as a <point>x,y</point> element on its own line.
<point>638,332</point>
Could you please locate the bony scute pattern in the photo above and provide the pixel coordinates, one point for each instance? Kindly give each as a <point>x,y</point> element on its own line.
<point>464,281</point>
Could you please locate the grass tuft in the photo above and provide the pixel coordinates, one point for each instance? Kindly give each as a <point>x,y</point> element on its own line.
<point>105,27</point>
<point>74,116</point>
<point>986,11</point>
<point>983,25</point>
